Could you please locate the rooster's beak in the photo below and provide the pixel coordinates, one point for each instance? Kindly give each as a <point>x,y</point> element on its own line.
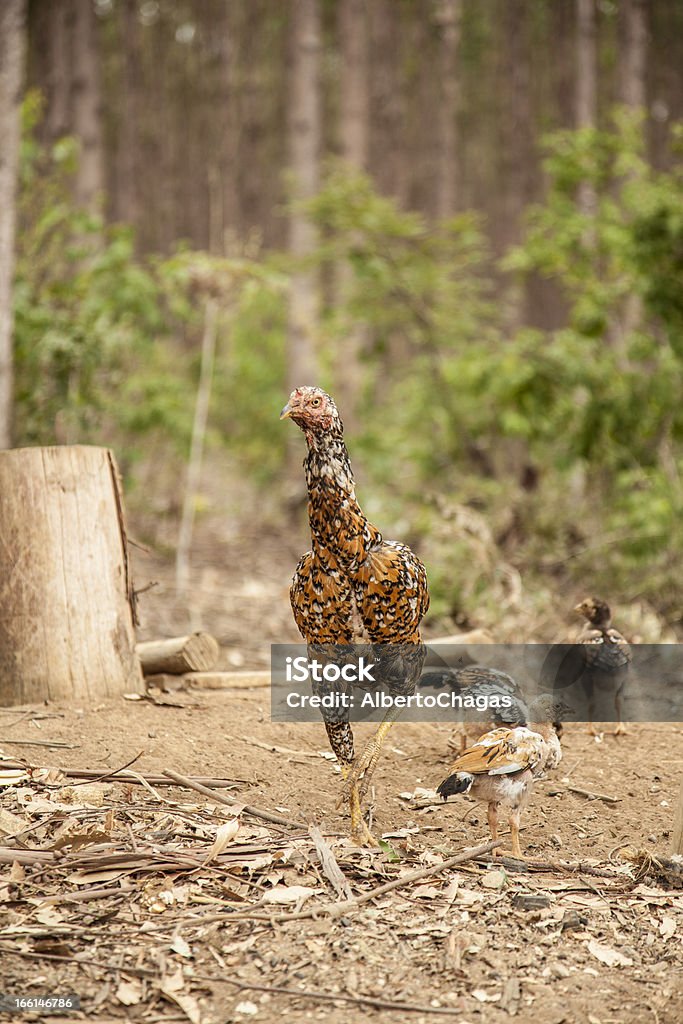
<point>286,412</point>
<point>577,608</point>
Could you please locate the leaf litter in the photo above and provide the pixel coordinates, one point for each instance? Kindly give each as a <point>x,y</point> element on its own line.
<point>176,897</point>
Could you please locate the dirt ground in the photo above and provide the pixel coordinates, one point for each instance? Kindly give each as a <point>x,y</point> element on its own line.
<point>145,940</point>
<point>155,902</point>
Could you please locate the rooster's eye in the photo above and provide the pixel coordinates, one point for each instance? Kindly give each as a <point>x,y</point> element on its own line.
<point>315,402</point>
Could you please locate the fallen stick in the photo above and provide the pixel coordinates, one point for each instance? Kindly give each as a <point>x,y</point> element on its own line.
<point>594,796</point>
<point>227,680</point>
<point>256,812</point>
<point>121,775</point>
<point>41,743</point>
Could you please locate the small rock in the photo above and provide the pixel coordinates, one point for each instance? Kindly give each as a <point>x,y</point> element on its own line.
<point>559,970</point>
<point>246,1007</point>
<point>494,879</point>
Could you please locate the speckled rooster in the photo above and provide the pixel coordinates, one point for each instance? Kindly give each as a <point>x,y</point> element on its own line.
<point>353,586</point>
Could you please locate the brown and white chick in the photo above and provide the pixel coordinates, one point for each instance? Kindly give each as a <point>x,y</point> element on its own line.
<point>500,768</point>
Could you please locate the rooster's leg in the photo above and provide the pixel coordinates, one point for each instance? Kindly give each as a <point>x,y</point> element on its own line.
<point>341,741</point>
<point>620,729</point>
<point>360,833</point>
<point>492,814</point>
<point>365,764</point>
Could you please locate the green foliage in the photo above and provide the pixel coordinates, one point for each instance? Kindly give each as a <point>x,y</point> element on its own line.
<point>559,449</point>
<point>107,344</point>
<point>89,324</point>
<point>419,296</point>
<point>603,394</point>
<point>568,439</point>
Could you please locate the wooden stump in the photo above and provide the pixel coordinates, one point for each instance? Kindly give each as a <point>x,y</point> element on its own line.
<point>66,600</point>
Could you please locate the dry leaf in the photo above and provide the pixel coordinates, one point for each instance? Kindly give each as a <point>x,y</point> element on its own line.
<point>667,928</point>
<point>224,835</point>
<point>484,997</point>
<point>189,1005</point>
<point>171,986</point>
<point>246,1007</point>
<point>129,992</point>
<point>180,946</point>
<point>10,823</point>
<point>427,892</point>
<point>88,877</point>
<point>285,894</point>
<point>494,879</point>
<point>48,915</point>
<point>607,955</point>
<point>16,872</point>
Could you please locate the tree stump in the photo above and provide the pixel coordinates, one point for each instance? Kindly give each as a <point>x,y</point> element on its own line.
<point>66,599</point>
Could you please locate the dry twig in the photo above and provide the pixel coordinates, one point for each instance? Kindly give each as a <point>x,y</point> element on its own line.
<point>256,812</point>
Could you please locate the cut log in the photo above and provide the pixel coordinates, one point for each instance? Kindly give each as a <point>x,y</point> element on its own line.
<point>195,653</point>
<point>66,599</point>
<point>227,680</point>
<point>209,680</point>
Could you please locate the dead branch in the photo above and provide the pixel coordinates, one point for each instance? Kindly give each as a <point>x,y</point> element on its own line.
<point>256,812</point>
<point>594,796</point>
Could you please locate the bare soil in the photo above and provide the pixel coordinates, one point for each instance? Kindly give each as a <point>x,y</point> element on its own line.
<point>449,942</point>
<point>145,901</point>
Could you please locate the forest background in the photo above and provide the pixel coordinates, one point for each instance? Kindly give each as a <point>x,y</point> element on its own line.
<point>462,217</point>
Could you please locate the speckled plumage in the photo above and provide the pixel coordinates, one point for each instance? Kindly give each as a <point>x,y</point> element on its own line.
<point>352,587</point>
<point>606,657</point>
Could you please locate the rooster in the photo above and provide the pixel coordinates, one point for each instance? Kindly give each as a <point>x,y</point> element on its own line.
<point>502,765</point>
<point>352,587</point>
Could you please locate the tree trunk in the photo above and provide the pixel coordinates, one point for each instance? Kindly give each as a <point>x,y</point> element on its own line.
<point>12,20</point>
<point>353,147</point>
<point>66,603</point>
<point>516,154</point>
<point>387,157</point>
<point>53,16</point>
<point>353,82</point>
<point>586,85</point>
<point>304,163</point>
<point>86,104</point>
<point>634,49</point>
<point>449,13</point>
<point>633,94</point>
<point>128,206</point>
